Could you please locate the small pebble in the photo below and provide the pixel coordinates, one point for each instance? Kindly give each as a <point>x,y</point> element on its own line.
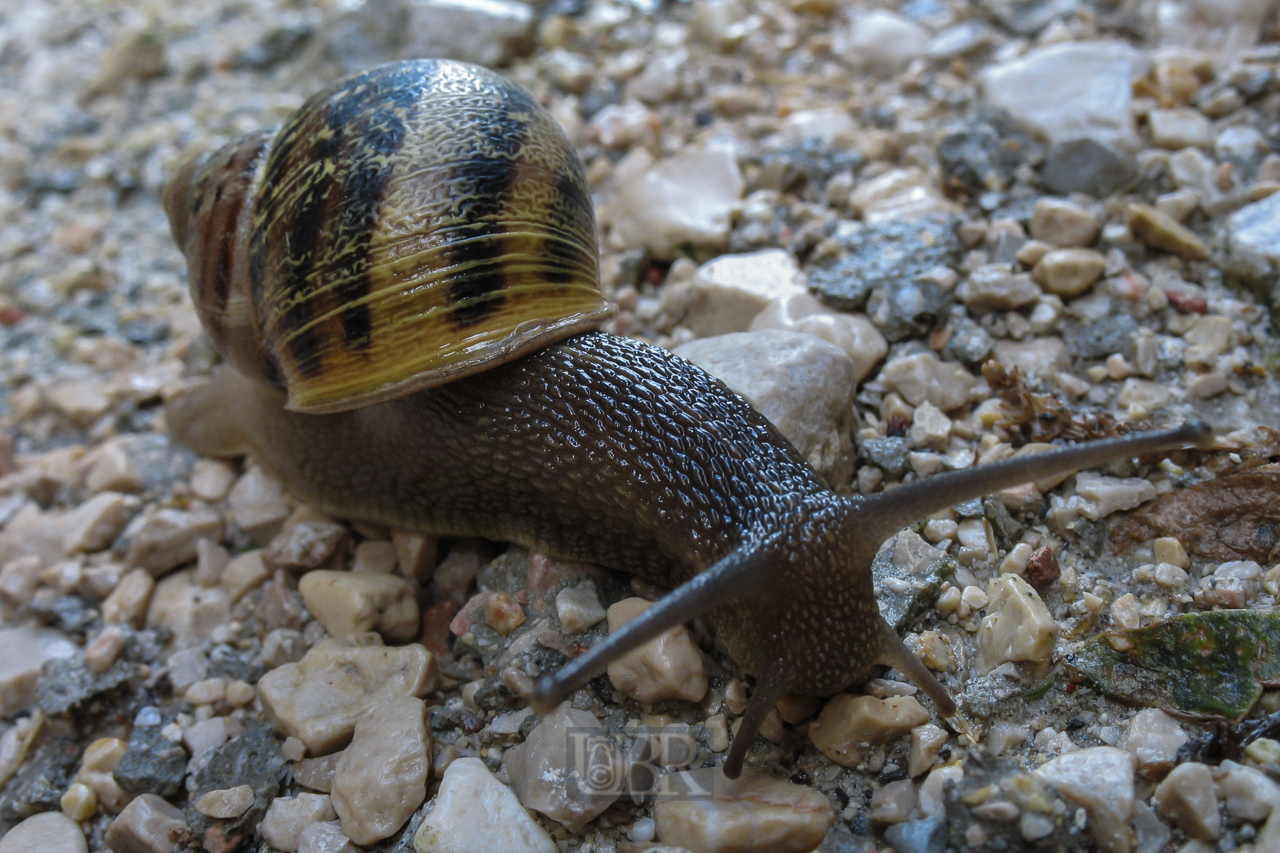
<point>1017,627</point>
<point>1164,232</point>
<point>244,573</point>
<point>578,607</point>
<point>226,803</point>
<point>1189,796</point>
<point>48,832</point>
<point>1063,223</point>
<point>1069,272</point>
<point>381,778</point>
<point>148,824</point>
<point>258,506</point>
<point>287,817</point>
<point>728,292</point>
<point>667,667</point>
<point>553,771</point>
<point>922,377</point>
<point>349,604</point>
<point>1100,779</point>
<point>324,837</point>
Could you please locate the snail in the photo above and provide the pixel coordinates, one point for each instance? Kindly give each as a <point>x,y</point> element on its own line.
<point>403,282</point>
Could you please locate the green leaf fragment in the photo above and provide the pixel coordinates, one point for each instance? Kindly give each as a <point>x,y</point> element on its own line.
<point>1211,665</point>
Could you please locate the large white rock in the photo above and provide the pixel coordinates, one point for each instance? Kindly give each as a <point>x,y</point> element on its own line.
<point>381,778</point>
<point>1090,83</point>
<point>475,813</point>
<point>1101,780</point>
<point>801,383</point>
<point>687,198</point>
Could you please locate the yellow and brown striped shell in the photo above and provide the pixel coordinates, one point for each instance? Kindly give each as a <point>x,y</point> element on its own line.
<point>413,224</point>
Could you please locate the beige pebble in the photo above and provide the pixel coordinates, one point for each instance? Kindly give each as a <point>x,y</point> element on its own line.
<point>243,573</point>
<point>1170,576</point>
<point>1189,797</point>
<point>166,538</point>
<point>211,480</point>
<point>47,832</point>
<point>325,837</point>
<point>146,825</point>
<point>316,773</point>
<point>992,287</point>
<point>717,727</point>
<point>894,802</point>
<point>1099,779</point>
<point>1125,613</point>
<point>1167,549</point>
<point>294,750</point>
<point>727,293</point>
<point>1063,223</point>
<point>922,377</point>
<point>319,699</point>
<point>1164,232</point>
<point>1017,627</point>
<point>578,607</point>
<point>97,767</point>
<point>258,504</point>
<point>94,524</point>
<point>667,667</point>
<point>211,561</point>
<point>239,693</point>
<point>849,725</point>
<point>226,802</point>
<point>26,649</point>
<point>381,779</point>
<point>475,813</point>
<point>1069,272</point>
<point>1180,127</point>
<point>752,812</point>
<point>1212,334</point>
<point>104,649</point>
<point>415,553</point>
<point>349,604</point>
<point>20,577</point>
<point>208,691</point>
<point>193,613</point>
<point>206,735</point>
<point>898,194</point>
<point>287,817</point>
<point>1248,794</point>
<point>377,556</point>
<point>930,427</point>
<point>82,401</point>
<point>79,802</point>
<point>927,742</point>
<point>111,470</point>
<point>932,792</point>
<point>553,770</point>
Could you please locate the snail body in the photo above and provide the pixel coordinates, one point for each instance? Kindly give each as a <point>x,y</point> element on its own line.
<point>520,423</point>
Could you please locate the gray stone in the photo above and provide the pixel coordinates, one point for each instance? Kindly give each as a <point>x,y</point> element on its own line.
<point>152,763</point>
<point>888,453</point>
<point>919,836</point>
<point>908,309</point>
<point>1111,334</point>
<point>1087,166</point>
<point>979,158</point>
<point>884,255</point>
<point>68,683</point>
<point>969,343</point>
<point>254,759</point>
<point>43,778</point>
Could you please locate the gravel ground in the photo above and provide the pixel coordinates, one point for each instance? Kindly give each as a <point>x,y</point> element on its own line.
<point>1083,191</point>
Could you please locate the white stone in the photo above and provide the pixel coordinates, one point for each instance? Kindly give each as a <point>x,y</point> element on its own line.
<point>898,194</point>
<point>752,812</point>
<point>667,667</point>
<point>922,377</point>
<point>1091,85</point>
<point>349,604</point>
<point>1257,227</point>
<point>801,383</point>
<point>1248,793</point>
<point>853,333</point>
<point>926,744</point>
<point>578,607</point>
<point>1232,585</point>
<point>687,198</point>
<point>320,699</point>
<point>475,813</point>
<point>192,612</point>
<point>48,832</point>
<point>26,649</point>
<point>884,42</point>
<point>1188,796</point>
<point>553,771</point>
<point>930,427</point>
<point>381,779</point>
<point>1106,495</point>
<point>1101,780</point>
<point>727,293</point>
<point>258,505</point>
<point>1017,627</point>
<point>287,817</point>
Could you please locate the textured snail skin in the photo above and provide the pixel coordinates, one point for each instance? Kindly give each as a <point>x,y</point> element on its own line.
<point>586,446</point>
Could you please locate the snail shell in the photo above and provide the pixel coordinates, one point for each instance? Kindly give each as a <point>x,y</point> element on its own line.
<point>408,226</point>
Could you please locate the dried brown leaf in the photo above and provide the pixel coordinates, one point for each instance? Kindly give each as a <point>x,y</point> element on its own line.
<point>1041,417</point>
<point>1236,517</point>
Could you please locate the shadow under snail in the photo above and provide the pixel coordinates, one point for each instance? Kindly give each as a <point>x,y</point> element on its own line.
<point>404,281</point>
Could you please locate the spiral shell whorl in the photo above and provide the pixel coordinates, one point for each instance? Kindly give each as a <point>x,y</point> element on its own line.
<point>415,224</point>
